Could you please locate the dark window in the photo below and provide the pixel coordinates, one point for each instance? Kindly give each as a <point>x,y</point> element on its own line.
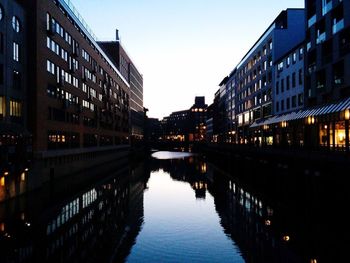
<point>294,101</point>
<point>16,80</point>
<point>301,99</point>
<point>288,103</point>
<point>277,106</point>
<point>293,80</point>
<point>301,77</point>
<point>1,43</point>
<point>277,88</point>
<point>282,85</point>
<point>288,82</point>
<point>1,74</point>
<point>282,105</point>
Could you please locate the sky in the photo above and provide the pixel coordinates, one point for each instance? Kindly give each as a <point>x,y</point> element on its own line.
<point>183,48</point>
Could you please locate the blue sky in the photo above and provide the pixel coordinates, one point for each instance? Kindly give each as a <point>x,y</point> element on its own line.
<point>183,48</point>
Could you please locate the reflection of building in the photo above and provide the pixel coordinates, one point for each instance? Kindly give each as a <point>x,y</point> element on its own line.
<point>126,66</point>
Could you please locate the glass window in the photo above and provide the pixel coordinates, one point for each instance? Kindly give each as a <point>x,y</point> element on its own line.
<point>15,24</point>
<point>15,51</point>
<point>1,12</point>
<point>2,106</point>
<point>15,108</point>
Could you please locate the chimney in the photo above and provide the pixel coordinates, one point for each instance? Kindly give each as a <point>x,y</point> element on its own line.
<point>117,34</point>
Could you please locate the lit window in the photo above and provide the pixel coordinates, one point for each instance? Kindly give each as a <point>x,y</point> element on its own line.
<point>2,181</point>
<point>15,51</point>
<point>15,108</point>
<point>2,107</point>
<point>1,13</point>
<point>15,24</point>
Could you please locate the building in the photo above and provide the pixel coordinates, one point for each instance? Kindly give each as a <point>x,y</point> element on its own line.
<point>176,126</point>
<point>197,117</point>
<point>128,69</point>
<point>14,136</point>
<point>327,59</point>
<point>79,98</point>
<point>289,81</point>
<point>255,74</point>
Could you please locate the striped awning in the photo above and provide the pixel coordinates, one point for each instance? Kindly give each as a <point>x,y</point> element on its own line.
<point>301,114</point>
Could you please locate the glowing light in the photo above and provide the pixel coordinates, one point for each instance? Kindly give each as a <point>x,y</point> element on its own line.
<point>313,260</point>
<point>23,177</point>
<point>6,173</point>
<point>325,127</point>
<point>2,227</point>
<point>2,181</point>
<point>341,137</point>
<point>347,114</point>
<point>26,170</point>
<point>286,238</point>
<point>267,222</point>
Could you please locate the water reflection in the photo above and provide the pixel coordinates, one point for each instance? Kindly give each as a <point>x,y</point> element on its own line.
<point>177,207</point>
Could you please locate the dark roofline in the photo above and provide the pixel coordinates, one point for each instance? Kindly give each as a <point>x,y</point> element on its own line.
<point>268,28</point>
<point>224,81</point>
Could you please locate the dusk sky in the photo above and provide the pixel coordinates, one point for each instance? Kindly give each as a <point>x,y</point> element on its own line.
<point>183,48</point>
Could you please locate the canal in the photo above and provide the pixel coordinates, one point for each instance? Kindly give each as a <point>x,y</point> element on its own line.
<point>180,207</point>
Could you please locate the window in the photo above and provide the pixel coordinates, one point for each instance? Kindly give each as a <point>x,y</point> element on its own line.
<point>294,101</point>
<point>15,51</point>
<point>16,80</point>
<point>51,67</point>
<point>288,82</point>
<point>277,87</point>
<point>282,105</point>
<point>15,24</point>
<point>301,77</point>
<point>301,52</point>
<point>293,80</point>
<point>277,106</point>
<point>2,106</point>
<point>282,85</point>
<point>300,99</point>
<point>1,43</point>
<point>1,74</point>
<point>15,108</point>
<point>1,12</point>
<point>294,57</point>
<point>270,44</point>
<point>288,61</point>
<point>288,103</point>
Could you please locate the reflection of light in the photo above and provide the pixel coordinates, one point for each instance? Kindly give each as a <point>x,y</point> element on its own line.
<point>286,238</point>
<point>267,222</point>
<point>27,224</point>
<point>313,260</point>
<point>23,177</point>
<point>6,173</point>
<point>26,170</point>
<point>204,168</point>
<point>2,227</point>
<point>2,181</point>
<point>341,137</point>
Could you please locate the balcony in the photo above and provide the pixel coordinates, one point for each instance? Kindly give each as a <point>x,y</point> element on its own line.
<point>311,21</point>
<point>321,38</point>
<point>327,7</point>
<point>338,26</point>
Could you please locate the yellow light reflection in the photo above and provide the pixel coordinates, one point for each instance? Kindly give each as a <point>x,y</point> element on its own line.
<point>286,238</point>
<point>2,181</point>
<point>23,177</point>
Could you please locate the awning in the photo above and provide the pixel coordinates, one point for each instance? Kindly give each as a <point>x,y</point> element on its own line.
<point>301,114</point>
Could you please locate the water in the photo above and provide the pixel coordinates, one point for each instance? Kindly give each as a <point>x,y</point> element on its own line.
<point>178,207</point>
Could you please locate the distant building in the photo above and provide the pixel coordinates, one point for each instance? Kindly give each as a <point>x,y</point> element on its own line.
<point>176,126</point>
<point>154,130</point>
<point>197,117</point>
<point>127,67</point>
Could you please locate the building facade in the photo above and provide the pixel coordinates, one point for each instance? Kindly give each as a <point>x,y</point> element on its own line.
<point>79,99</point>
<point>255,74</point>
<point>289,81</point>
<point>13,76</point>
<point>328,51</point>
<point>130,72</point>
<point>176,126</point>
<point>197,120</point>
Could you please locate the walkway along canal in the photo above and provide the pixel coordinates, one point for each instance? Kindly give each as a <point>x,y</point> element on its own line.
<point>181,207</point>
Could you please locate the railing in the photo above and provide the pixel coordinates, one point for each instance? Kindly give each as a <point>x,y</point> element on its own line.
<point>327,7</point>
<point>321,38</point>
<point>80,18</point>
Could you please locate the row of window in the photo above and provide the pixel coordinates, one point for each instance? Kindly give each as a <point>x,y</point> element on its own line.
<point>53,46</point>
<point>15,107</point>
<point>290,59</point>
<point>58,93</point>
<point>287,83</point>
<point>290,103</point>
<point>62,75</point>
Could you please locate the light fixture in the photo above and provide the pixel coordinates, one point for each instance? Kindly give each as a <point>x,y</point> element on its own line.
<point>286,238</point>
<point>347,114</point>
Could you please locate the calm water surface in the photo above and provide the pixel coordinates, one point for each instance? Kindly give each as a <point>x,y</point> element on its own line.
<point>177,207</point>
<point>178,225</point>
